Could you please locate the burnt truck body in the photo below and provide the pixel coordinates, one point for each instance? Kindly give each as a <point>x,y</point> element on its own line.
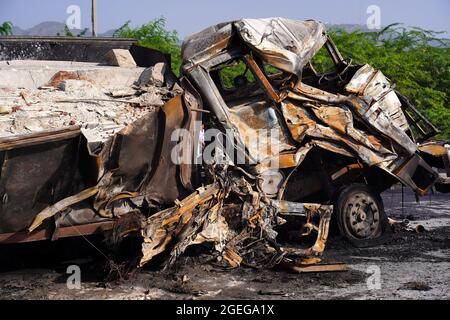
<point>345,136</point>
<point>303,144</point>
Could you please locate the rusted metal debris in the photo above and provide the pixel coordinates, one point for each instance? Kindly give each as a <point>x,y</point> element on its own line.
<point>404,224</point>
<point>315,267</point>
<point>201,217</point>
<point>337,140</point>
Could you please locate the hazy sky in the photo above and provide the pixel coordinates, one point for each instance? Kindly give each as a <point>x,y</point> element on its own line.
<point>188,16</point>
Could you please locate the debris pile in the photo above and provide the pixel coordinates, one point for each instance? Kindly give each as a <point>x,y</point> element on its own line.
<point>234,216</point>
<point>237,218</point>
<point>85,97</point>
<point>235,227</point>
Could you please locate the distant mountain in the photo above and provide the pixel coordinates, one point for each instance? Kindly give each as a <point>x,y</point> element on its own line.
<point>17,31</point>
<point>52,28</point>
<point>108,33</point>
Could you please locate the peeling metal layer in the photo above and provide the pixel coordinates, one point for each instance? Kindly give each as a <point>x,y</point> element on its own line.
<point>283,43</point>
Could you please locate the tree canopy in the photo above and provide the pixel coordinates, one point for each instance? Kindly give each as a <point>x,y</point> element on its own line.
<point>6,28</point>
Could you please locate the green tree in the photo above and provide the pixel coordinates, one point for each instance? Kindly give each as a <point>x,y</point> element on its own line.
<point>155,35</point>
<point>6,28</point>
<point>69,33</point>
<point>83,32</point>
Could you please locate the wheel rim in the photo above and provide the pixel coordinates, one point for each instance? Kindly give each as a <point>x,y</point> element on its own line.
<point>362,216</point>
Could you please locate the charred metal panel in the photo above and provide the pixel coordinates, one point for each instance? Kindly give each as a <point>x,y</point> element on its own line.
<point>164,185</point>
<point>35,177</point>
<point>134,151</point>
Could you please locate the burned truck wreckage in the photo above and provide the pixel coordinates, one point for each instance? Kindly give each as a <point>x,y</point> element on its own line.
<point>205,159</point>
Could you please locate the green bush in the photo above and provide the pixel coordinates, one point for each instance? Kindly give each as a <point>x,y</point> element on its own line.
<point>6,28</point>
<point>155,35</point>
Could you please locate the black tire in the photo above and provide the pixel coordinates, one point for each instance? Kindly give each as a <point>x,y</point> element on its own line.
<point>360,216</point>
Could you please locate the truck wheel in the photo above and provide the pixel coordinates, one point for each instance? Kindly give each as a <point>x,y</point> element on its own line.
<point>360,216</point>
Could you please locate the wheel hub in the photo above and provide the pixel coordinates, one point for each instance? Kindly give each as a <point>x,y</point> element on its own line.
<point>362,216</point>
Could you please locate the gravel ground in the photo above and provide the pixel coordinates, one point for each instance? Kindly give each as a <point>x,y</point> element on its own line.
<point>410,266</point>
